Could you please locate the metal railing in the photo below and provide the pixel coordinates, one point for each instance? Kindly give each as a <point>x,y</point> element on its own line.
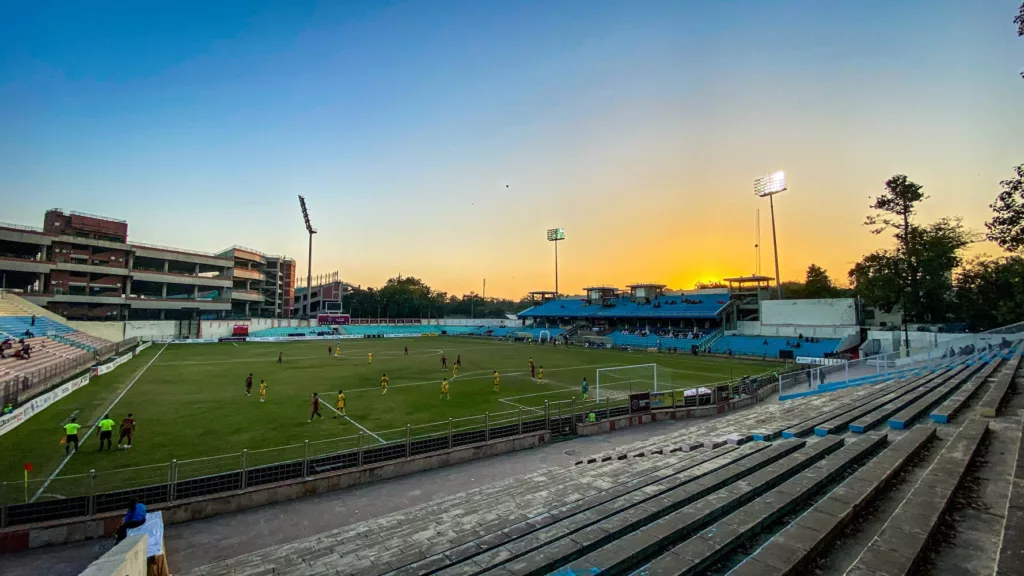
<point>105,491</point>
<point>882,367</point>
<point>19,388</point>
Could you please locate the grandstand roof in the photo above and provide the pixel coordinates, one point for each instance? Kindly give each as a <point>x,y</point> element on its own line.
<point>708,306</point>
<point>646,285</point>
<point>753,278</point>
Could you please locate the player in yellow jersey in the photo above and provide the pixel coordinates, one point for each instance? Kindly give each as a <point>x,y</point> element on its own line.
<point>455,370</point>
<point>383,383</point>
<point>540,373</point>
<point>369,358</point>
<point>496,380</point>
<point>341,403</point>
<point>263,390</point>
<point>337,349</point>
<point>444,390</point>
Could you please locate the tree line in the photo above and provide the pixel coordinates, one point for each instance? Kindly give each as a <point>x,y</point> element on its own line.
<point>410,297</point>
<point>924,273</point>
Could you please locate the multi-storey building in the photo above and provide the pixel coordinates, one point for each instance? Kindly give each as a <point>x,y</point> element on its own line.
<point>84,267</point>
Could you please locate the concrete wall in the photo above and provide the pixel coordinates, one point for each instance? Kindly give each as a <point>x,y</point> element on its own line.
<point>128,558</point>
<point>223,328</point>
<point>816,312</point>
<point>753,328</point>
<point>104,525</point>
<point>151,329</point>
<point>113,331</point>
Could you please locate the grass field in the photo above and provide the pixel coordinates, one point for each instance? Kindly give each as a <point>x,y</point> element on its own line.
<point>189,400</point>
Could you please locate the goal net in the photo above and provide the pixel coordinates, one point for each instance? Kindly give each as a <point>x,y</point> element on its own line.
<point>596,341</point>
<point>621,381</point>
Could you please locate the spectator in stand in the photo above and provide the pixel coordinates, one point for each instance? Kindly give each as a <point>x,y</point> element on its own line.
<point>135,517</point>
<point>8,409</point>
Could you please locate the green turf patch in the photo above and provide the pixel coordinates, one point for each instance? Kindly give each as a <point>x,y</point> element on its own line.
<point>190,403</point>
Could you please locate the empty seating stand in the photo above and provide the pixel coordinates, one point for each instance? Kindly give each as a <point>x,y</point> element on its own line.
<point>696,504</point>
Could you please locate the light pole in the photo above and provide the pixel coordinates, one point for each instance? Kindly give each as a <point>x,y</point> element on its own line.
<point>309,269</point>
<point>769,186</point>
<point>554,235</point>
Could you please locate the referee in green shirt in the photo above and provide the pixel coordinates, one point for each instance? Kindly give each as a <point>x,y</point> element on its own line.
<point>71,435</point>
<point>106,431</point>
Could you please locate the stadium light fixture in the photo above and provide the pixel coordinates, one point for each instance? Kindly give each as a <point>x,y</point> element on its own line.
<point>555,235</point>
<point>769,186</point>
<point>309,269</point>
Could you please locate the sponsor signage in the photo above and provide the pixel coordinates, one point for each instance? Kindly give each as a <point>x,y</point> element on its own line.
<point>34,406</point>
<point>660,400</point>
<point>640,402</point>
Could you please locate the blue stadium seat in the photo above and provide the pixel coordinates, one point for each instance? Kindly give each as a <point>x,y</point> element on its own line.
<point>755,346</point>
<point>696,306</point>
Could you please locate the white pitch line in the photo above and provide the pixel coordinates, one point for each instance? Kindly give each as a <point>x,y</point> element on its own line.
<point>91,428</point>
<point>236,345</point>
<point>484,374</point>
<point>357,424</point>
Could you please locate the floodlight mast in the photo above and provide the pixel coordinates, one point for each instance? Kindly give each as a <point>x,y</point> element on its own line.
<point>555,235</point>
<point>769,186</point>
<point>309,268</point>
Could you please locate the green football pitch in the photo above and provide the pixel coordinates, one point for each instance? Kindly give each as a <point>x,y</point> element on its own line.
<point>189,401</point>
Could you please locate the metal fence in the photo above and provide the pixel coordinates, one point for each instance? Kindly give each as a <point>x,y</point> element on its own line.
<point>71,496</point>
<point>882,367</point>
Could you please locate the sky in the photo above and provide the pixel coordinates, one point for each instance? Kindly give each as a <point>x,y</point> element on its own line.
<point>441,138</point>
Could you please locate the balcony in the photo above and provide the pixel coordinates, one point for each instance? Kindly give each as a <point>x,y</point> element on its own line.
<point>178,304</point>
<point>248,274</point>
<point>24,265</point>
<point>186,279</point>
<point>90,268</point>
<point>247,295</point>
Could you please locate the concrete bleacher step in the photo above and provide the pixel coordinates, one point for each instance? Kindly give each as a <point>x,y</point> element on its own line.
<point>840,423</point>
<point>1010,559</point>
<point>443,524</point>
<point>945,411</point>
<point>542,556</point>
<point>808,425</point>
<point>901,542</point>
<point>697,554</point>
<point>616,553</point>
<point>885,411</point>
<point>989,405</point>
<point>790,551</point>
<point>924,403</point>
<point>562,520</point>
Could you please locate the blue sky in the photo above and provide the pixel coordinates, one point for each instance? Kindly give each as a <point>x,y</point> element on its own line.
<point>635,125</point>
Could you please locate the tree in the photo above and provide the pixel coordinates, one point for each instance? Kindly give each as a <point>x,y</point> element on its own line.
<point>896,208</point>
<point>1007,225</point>
<point>708,285</point>
<point>818,283</point>
<point>937,254</point>
<point>990,292</point>
<point>877,279</point>
<point>1019,21</point>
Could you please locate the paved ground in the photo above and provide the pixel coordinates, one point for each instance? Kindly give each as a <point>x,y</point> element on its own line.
<point>194,544</point>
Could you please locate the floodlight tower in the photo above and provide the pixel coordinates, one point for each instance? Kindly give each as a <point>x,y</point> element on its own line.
<point>769,186</point>
<point>555,235</point>
<point>309,269</point>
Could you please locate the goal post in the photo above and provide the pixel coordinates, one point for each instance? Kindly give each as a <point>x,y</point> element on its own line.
<point>623,380</point>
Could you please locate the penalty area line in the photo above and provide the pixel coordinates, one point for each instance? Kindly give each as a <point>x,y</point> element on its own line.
<point>357,424</point>
<point>91,428</point>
